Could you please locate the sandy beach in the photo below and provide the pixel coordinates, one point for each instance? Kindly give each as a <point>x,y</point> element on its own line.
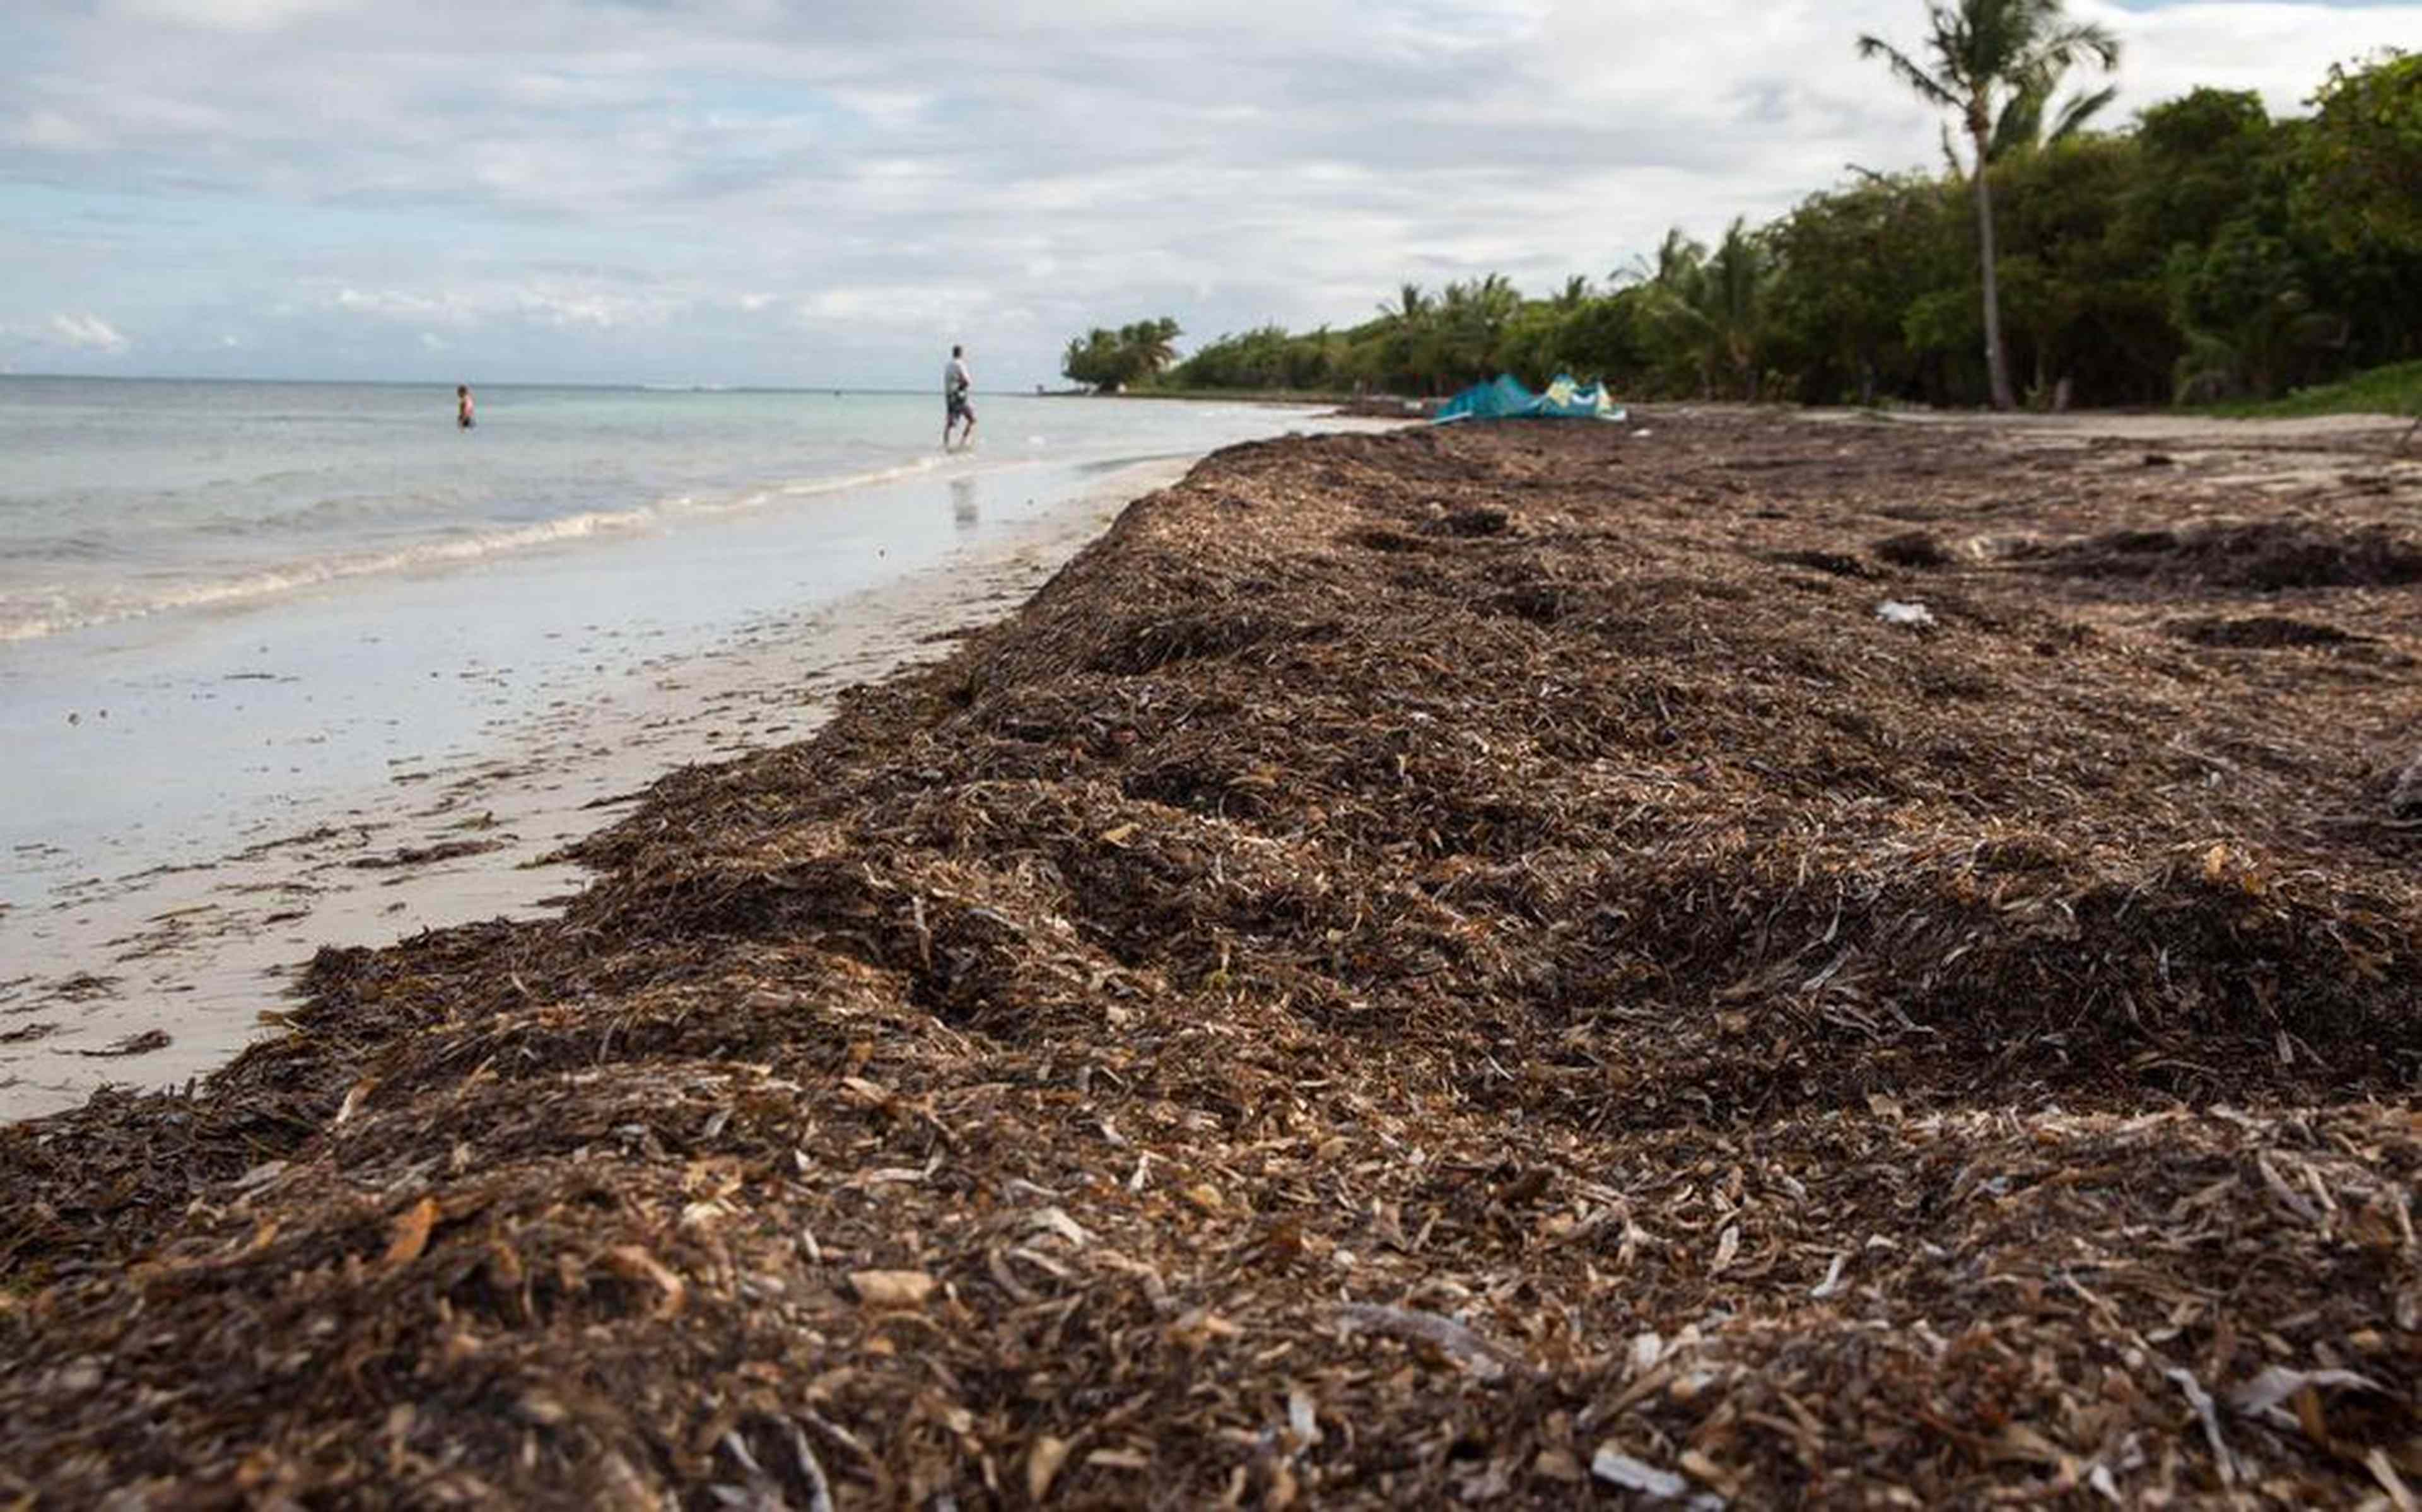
<point>1741,958</point>
<point>150,977</point>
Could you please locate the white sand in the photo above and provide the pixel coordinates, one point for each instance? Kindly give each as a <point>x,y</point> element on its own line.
<point>197,950</point>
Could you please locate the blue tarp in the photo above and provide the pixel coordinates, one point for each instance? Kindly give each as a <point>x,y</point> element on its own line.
<point>1503,398</point>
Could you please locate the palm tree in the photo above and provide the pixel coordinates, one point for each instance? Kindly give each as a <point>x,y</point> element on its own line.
<point>1739,274</point>
<point>1673,293</point>
<point>1410,352</point>
<point>1981,50</point>
<point>1149,346</point>
<point>1677,261</point>
<point>1471,321</point>
<point>2023,125</point>
<point>1712,305</point>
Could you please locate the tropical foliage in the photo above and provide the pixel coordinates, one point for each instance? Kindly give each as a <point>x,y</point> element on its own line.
<point>1994,63</point>
<point>2361,178</point>
<point>1112,360</point>
<point>2203,252</point>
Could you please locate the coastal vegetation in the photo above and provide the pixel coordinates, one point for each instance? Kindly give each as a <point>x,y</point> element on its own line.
<point>2395,389</point>
<point>1110,360</point>
<point>1985,55</point>
<point>2204,253</point>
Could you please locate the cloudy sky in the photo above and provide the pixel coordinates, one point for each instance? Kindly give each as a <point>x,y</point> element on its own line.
<point>829,192</point>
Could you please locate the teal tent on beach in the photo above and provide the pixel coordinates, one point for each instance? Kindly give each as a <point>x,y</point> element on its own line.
<point>1503,398</point>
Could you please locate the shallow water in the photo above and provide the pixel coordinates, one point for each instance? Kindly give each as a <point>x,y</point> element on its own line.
<point>121,499</point>
<point>219,602</point>
<point>284,682</point>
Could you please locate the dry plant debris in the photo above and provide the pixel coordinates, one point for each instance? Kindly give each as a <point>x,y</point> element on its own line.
<point>1464,967</point>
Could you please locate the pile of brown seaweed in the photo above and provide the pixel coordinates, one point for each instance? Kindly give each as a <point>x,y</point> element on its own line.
<point>1472,965</point>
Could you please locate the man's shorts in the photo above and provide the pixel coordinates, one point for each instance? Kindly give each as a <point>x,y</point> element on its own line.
<point>958,406</point>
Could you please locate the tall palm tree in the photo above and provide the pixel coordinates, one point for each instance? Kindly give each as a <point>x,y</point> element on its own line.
<point>2029,121</point>
<point>1982,51</point>
<point>1738,274</point>
<point>1712,305</point>
<point>1471,321</point>
<point>1150,345</point>
<point>1408,350</point>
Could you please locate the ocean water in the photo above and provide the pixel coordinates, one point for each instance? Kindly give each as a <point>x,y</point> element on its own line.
<point>124,499</point>
<point>255,636</point>
<point>230,610</point>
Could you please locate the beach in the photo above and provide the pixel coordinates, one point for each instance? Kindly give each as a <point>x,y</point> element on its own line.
<point>321,682</point>
<point>1736,958</point>
<point>159,975</point>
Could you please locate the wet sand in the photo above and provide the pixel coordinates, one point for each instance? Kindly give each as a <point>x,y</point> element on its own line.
<point>153,977</point>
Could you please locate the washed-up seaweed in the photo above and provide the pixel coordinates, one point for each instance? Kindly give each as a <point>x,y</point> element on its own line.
<point>1461,967</point>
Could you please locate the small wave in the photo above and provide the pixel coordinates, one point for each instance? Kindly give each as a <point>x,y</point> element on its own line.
<point>31,616</point>
<point>881,474</point>
<point>31,623</point>
<point>25,621</point>
<point>325,515</point>
<point>808,487</point>
<point>84,546</point>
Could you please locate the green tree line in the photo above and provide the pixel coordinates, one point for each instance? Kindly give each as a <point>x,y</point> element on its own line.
<point>1110,360</point>
<point>2203,252</point>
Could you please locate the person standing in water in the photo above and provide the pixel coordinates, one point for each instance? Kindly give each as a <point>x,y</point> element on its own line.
<point>462,406</point>
<point>956,381</point>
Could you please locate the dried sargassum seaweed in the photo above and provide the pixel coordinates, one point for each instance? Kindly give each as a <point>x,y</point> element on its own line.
<point>1461,966</point>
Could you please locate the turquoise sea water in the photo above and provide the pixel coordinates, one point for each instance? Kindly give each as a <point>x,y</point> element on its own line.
<point>123,499</point>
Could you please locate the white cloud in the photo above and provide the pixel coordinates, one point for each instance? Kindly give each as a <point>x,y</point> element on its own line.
<point>596,309</point>
<point>467,309</point>
<point>889,109</point>
<point>598,182</point>
<point>401,306</point>
<point>2279,51</point>
<point>899,307</point>
<point>232,15</point>
<point>51,131</point>
<point>86,332</point>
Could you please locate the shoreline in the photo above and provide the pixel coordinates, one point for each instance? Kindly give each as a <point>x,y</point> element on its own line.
<point>1439,966</point>
<point>205,951</point>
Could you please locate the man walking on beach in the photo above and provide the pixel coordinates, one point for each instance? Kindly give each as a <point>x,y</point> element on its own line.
<point>956,381</point>
<point>462,418</point>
